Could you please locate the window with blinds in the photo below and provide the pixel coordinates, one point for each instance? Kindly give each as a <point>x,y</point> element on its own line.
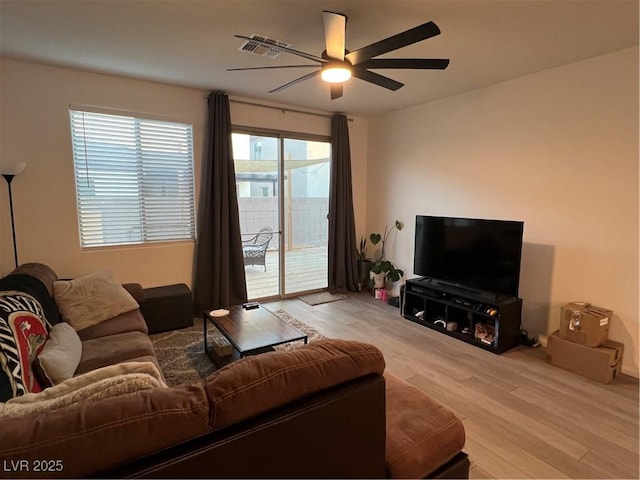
<point>134,179</point>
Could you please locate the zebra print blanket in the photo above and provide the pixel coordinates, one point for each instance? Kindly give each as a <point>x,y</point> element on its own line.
<point>27,313</point>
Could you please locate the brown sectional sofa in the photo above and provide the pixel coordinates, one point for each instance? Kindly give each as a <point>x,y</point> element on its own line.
<point>323,410</point>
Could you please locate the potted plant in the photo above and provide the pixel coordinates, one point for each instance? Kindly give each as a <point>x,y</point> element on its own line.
<point>364,264</point>
<point>383,268</point>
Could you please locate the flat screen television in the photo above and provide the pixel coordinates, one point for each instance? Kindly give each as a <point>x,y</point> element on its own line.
<point>472,253</point>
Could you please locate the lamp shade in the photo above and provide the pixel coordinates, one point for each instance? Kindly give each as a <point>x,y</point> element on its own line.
<point>15,169</point>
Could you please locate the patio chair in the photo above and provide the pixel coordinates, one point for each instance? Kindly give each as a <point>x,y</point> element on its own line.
<point>254,249</point>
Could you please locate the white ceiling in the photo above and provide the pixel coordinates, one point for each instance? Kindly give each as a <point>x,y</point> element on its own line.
<point>191,43</point>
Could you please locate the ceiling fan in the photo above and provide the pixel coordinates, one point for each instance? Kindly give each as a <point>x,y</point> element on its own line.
<point>337,64</point>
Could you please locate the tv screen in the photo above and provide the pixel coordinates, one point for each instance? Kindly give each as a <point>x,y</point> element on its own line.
<point>473,253</point>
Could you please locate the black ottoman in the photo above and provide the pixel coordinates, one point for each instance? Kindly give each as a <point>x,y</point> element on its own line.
<point>167,308</point>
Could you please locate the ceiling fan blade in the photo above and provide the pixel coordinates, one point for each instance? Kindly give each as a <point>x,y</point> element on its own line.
<point>408,37</point>
<point>297,80</point>
<point>267,68</point>
<point>335,25</point>
<point>308,56</point>
<point>377,79</point>
<point>412,63</point>
<point>336,90</point>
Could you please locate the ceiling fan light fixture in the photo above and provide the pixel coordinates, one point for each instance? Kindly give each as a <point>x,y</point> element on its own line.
<point>336,73</point>
<point>337,64</point>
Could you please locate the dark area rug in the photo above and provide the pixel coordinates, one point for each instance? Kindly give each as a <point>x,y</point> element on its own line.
<point>181,352</point>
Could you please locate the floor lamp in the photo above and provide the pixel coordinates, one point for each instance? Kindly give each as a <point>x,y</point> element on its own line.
<point>8,174</point>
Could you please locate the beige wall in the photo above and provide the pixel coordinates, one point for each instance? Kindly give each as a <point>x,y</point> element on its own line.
<point>34,127</point>
<point>558,150</point>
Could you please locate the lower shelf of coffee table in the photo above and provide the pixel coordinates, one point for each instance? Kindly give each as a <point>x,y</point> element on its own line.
<point>220,361</point>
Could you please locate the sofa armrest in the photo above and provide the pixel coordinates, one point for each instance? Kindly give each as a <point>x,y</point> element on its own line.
<point>257,384</point>
<point>40,271</point>
<point>135,290</point>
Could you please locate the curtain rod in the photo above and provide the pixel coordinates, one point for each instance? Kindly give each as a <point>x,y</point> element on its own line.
<point>284,109</point>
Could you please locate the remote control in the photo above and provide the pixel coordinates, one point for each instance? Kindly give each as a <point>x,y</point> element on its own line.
<point>250,305</point>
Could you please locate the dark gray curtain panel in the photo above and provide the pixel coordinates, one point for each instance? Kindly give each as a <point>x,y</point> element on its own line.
<point>219,279</point>
<point>343,265</point>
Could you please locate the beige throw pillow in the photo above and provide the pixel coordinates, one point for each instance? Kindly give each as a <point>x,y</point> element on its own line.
<point>89,300</point>
<point>60,356</point>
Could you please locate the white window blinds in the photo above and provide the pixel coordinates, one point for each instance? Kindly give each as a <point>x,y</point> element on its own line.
<point>134,179</point>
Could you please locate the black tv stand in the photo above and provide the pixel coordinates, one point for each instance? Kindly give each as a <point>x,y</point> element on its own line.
<point>485,319</point>
<point>457,288</point>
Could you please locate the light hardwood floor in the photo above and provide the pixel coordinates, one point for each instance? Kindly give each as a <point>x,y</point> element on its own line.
<point>523,417</point>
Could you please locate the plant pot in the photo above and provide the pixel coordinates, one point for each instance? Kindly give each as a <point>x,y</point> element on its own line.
<point>364,267</point>
<point>394,291</point>
<point>378,279</point>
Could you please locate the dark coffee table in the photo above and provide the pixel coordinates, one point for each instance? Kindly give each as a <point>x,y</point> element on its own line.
<point>250,332</point>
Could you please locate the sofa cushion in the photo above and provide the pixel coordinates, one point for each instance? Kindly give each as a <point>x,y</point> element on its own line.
<point>60,355</point>
<point>89,437</point>
<point>256,384</point>
<point>23,333</point>
<point>100,352</point>
<point>91,299</point>
<point>132,321</point>
<point>422,434</point>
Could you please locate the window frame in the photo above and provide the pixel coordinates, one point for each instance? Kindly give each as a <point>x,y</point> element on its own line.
<point>127,173</point>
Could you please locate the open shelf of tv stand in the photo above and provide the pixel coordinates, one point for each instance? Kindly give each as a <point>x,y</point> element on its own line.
<point>498,316</point>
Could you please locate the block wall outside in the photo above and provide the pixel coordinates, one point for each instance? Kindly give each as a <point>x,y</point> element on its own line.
<point>308,216</point>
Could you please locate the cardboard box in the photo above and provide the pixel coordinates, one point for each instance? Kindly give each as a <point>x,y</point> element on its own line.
<point>585,323</point>
<point>601,363</point>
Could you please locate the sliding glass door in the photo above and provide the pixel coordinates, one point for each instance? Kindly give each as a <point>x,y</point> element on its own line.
<point>283,191</point>
<point>306,205</point>
<point>257,166</point>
